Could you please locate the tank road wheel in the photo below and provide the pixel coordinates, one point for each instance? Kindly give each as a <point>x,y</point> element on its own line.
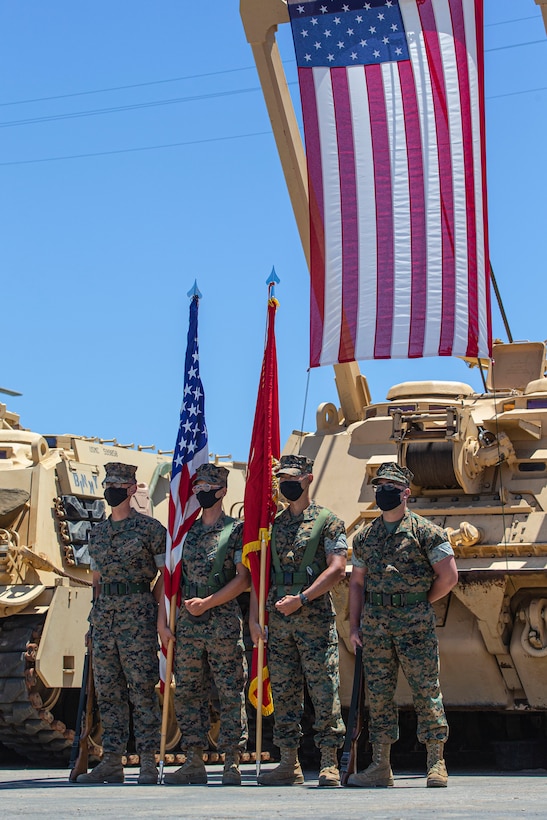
<point>28,710</point>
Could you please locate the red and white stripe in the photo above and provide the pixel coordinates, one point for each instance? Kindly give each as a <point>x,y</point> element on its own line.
<point>183,511</point>
<point>396,167</point>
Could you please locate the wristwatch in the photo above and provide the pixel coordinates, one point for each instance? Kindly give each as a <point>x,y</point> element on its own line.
<point>303,599</point>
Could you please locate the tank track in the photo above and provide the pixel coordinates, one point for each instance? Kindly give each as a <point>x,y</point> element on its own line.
<point>26,727</point>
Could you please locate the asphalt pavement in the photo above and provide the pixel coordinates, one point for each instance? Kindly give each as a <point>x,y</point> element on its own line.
<point>33,793</point>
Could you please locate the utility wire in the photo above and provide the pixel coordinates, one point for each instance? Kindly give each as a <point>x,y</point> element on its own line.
<point>153,104</point>
<point>516,45</point>
<point>125,87</point>
<point>134,150</point>
<point>209,74</point>
<point>516,20</point>
<point>196,142</point>
<point>175,100</point>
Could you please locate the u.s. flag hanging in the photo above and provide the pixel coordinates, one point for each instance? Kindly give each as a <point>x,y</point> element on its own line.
<point>393,104</point>
<point>190,451</point>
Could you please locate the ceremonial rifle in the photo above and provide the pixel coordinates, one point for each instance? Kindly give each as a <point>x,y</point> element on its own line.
<point>84,722</point>
<point>348,762</point>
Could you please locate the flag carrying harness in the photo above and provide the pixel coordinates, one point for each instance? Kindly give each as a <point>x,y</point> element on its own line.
<point>308,570</point>
<point>218,577</point>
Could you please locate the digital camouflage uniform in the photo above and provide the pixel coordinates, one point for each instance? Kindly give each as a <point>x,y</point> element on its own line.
<point>218,641</point>
<point>125,640</point>
<point>304,645</point>
<point>401,562</point>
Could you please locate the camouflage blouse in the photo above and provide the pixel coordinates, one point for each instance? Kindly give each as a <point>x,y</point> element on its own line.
<point>200,548</point>
<point>291,538</point>
<point>130,550</point>
<point>403,560</point>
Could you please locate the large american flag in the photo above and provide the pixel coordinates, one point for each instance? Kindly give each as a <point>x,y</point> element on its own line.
<point>190,451</point>
<point>393,104</point>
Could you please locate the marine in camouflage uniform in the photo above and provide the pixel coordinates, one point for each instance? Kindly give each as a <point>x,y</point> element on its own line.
<point>209,633</point>
<point>302,636</point>
<point>401,564</point>
<point>126,552</point>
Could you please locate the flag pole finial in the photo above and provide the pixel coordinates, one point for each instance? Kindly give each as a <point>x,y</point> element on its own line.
<point>272,280</point>
<point>194,291</point>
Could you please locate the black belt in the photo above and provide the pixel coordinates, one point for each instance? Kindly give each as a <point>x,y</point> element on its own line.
<point>124,587</point>
<point>397,599</point>
<point>198,591</point>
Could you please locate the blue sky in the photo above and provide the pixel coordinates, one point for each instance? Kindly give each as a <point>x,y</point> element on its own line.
<point>100,242</point>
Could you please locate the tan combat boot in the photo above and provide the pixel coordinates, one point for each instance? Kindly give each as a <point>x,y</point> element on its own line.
<point>378,773</point>
<point>148,775</point>
<point>192,772</point>
<point>231,776</point>
<point>109,770</point>
<point>288,773</point>
<point>437,776</point>
<point>329,773</point>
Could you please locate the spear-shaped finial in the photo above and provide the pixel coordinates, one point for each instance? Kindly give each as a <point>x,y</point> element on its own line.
<point>272,280</point>
<point>194,291</point>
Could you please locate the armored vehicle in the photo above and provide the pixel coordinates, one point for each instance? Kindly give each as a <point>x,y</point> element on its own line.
<point>51,497</point>
<point>480,472</point>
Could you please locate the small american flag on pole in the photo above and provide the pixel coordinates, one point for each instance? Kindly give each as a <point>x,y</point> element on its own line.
<point>393,103</point>
<point>190,451</point>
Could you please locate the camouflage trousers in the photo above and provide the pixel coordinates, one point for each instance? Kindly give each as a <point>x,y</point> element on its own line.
<point>202,650</point>
<point>405,636</point>
<point>125,668</point>
<point>304,646</point>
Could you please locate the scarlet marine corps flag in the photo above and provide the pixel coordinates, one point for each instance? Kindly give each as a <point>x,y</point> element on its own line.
<point>259,502</point>
<point>393,105</point>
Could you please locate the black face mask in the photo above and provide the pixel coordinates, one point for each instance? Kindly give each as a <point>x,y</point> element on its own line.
<point>114,496</point>
<point>207,499</point>
<point>292,490</point>
<point>388,499</point>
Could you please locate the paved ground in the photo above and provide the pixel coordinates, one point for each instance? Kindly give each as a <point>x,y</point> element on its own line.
<point>37,792</point>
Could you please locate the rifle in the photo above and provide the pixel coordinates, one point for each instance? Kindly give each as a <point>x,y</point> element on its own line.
<point>84,721</point>
<point>348,761</point>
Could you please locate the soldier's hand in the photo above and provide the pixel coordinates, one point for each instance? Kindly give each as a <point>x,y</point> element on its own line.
<point>288,604</point>
<point>87,639</point>
<point>165,634</point>
<point>355,638</point>
<point>196,606</point>
<point>257,633</point>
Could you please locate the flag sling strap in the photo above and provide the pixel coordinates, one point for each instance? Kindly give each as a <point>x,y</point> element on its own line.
<point>218,577</point>
<point>298,579</point>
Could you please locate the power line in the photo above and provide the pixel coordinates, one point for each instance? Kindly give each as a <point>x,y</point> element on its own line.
<point>155,103</point>
<point>200,141</point>
<point>516,45</point>
<point>206,74</point>
<point>125,87</point>
<point>516,93</point>
<point>134,150</point>
<point>174,101</point>
<point>516,20</point>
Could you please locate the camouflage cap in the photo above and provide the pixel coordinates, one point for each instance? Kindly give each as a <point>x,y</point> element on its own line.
<point>392,472</point>
<point>294,465</point>
<point>117,473</point>
<point>212,474</point>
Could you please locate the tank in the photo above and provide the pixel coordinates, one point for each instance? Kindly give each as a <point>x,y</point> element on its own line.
<point>480,471</point>
<point>51,497</point>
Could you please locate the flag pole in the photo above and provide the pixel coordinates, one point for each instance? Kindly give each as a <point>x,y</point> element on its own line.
<point>264,537</point>
<point>190,451</point>
<point>167,685</point>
